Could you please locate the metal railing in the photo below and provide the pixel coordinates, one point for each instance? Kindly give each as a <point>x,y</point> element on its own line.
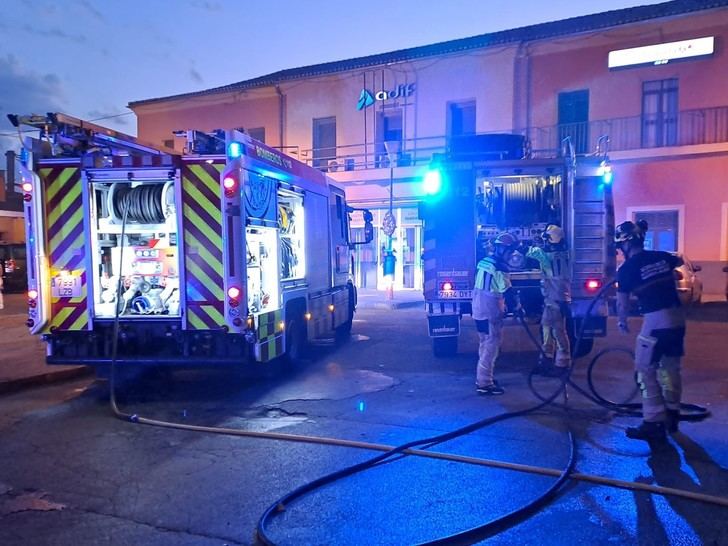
<point>688,127</point>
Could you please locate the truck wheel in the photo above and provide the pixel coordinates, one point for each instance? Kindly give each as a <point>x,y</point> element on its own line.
<point>296,342</point>
<point>444,346</point>
<point>343,331</point>
<point>584,348</point>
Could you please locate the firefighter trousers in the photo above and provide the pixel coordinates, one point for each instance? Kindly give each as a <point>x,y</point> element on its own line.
<point>657,362</point>
<point>489,335</point>
<point>553,333</point>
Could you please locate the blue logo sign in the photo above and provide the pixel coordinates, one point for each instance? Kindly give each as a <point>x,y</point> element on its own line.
<point>365,99</point>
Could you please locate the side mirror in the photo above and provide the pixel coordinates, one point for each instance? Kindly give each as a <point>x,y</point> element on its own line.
<point>368,227</point>
<point>368,232</point>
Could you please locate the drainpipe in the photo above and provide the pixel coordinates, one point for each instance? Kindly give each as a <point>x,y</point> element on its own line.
<point>280,116</point>
<point>521,80</point>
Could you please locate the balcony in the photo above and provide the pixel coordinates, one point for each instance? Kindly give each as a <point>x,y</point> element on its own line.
<point>686,128</point>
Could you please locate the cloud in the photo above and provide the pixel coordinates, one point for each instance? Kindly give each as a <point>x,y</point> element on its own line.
<point>195,75</point>
<point>90,8</point>
<point>55,33</point>
<point>25,92</point>
<point>207,5</point>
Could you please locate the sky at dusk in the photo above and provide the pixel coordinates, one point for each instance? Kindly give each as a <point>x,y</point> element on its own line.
<point>90,58</point>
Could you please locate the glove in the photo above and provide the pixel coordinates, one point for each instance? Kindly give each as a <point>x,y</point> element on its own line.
<point>623,327</point>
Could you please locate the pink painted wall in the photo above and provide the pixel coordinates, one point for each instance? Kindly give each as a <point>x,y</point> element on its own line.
<point>157,121</point>
<point>700,184</point>
<point>580,62</point>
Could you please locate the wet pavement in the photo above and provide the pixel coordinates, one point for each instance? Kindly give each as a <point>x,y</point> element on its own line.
<point>71,473</point>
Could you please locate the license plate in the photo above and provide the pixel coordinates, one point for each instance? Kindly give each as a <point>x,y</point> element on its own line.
<point>66,286</point>
<point>455,294</point>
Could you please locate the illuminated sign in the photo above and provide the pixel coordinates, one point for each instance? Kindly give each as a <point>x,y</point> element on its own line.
<point>662,53</point>
<point>367,98</point>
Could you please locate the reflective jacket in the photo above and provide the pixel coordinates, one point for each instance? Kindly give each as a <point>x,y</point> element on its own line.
<point>555,273</point>
<point>491,282</point>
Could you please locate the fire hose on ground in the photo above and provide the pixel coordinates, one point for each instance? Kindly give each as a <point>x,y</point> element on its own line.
<point>390,452</point>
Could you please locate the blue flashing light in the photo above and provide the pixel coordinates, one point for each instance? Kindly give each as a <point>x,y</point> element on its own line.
<point>432,183</point>
<point>361,406</point>
<point>235,150</point>
<point>605,171</point>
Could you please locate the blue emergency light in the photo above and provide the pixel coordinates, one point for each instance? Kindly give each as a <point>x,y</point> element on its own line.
<point>432,183</point>
<point>235,150</point>
<point>605,171</point>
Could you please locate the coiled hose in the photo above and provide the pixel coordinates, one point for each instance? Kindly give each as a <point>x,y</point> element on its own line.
<point>688,412</point>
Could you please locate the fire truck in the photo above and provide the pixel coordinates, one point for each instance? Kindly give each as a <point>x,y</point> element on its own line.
<point>229,252</point>
<point>486,184</point>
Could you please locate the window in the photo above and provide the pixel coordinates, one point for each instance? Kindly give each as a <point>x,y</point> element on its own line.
<point>324,142</point>
<point>659,113</point>
<point>168,143</point>
<point>574,119</point>
<point>389,129</point>
<point>662,228</point>
<point>257,133</point>
<point>460,118</point>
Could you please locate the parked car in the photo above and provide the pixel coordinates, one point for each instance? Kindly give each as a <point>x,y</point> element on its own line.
<point>15,274</point>
<point>689,285</point>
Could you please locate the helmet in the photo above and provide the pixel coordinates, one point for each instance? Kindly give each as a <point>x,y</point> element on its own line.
<point>505,239</point>
<point>553,234</point>
<point>629,231</point>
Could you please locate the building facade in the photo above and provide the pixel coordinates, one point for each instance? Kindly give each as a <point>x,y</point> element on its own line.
<point>651,79</point>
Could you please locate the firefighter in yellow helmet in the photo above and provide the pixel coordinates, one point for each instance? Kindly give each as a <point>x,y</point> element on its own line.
<point>491,283</point>
<point>649,274</point>
<point>553,259</point>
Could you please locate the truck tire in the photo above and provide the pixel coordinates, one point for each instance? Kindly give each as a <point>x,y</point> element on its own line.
<point>584,348</point>
<point>296,342</point>
<point>343,331</point>
<point>444,346</point>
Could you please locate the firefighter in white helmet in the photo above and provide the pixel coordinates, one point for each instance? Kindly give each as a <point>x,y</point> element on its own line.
<point>650,276</point>
<point>491,283</point>
<point>553,260</point>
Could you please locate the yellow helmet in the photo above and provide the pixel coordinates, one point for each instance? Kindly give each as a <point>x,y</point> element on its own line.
<point>553,234</point>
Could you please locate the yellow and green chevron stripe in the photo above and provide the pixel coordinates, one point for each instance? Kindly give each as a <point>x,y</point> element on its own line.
<point>202,232</point>
<point>63,200</point>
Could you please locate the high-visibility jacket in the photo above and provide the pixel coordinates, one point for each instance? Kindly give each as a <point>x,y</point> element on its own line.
<point>491,282</point>
<point>556,273</point>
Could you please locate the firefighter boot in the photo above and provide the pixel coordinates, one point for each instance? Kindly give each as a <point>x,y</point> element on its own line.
<point>673,420</point>
<point>648,431</point>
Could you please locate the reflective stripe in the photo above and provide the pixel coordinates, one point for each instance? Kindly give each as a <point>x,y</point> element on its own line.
<point>66,250</point>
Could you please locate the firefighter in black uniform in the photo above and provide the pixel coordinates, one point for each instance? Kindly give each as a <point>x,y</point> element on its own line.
<point>650,276</point>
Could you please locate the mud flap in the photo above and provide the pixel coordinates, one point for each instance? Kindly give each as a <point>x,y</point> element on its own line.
<point>443,325</point>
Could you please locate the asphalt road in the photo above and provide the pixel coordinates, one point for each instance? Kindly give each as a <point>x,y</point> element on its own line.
<point>72,474</point>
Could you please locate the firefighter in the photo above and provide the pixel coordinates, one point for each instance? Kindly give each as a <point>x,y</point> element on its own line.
<point>650,276</point>
<point>553,260</point>
<point>491,283</point>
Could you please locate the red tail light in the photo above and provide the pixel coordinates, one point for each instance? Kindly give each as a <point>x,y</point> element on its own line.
<point>10,266</point>
<point>447,286</point>
<point>592,285</point>
<point>230,183</point>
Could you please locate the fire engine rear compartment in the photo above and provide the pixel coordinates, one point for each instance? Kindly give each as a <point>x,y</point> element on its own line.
<point>153,288</point>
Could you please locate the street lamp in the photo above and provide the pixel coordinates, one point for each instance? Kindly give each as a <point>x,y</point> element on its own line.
<point>389,223</point>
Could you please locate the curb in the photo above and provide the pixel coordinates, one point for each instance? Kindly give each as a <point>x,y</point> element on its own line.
<point>391,305</point>
<point>57,376</point>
